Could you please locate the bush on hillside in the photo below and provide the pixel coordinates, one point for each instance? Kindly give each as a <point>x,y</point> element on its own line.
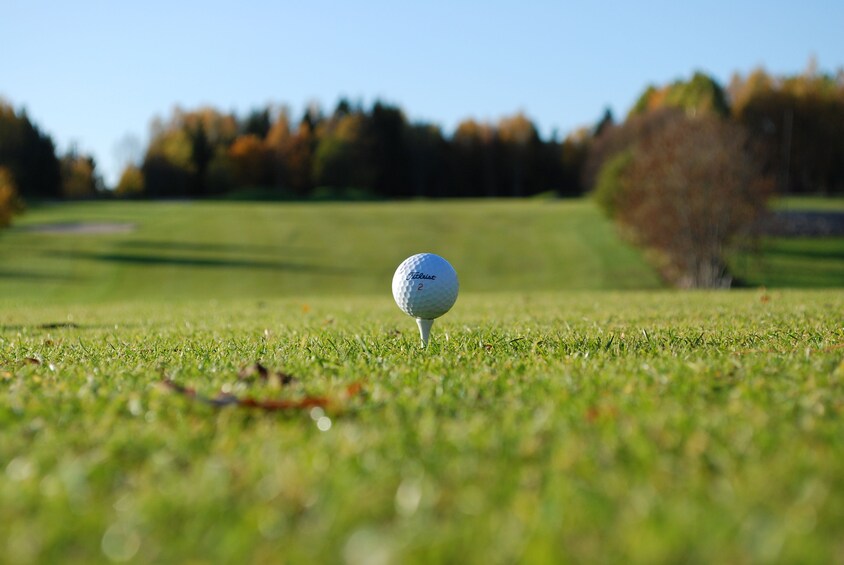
<point>608,185</point>
<point>693,191</point>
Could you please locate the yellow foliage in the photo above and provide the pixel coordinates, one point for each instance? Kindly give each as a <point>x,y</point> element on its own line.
<point>131,182</point>
<point>470,132</point>
<point>657,98</point>
<point>218,127</point>
<point>9,203</point>
<point>246,148</point>
<point>351,128</point>
<point>251,159</point>
<point>77,178</point>
<point>743,90</point>
<point>516,129</point>
<point>175,146</point>
<point>279,134</point>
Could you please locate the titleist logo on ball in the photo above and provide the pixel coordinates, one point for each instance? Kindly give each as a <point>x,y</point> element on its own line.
<point>417,275</point>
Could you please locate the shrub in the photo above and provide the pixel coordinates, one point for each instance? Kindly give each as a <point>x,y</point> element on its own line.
<point>608,185</point>
<point>693,190</point>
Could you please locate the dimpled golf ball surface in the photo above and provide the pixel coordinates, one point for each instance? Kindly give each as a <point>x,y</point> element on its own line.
<point>425,286</point>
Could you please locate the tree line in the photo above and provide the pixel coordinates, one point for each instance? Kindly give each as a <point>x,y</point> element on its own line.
<point>376,152</point>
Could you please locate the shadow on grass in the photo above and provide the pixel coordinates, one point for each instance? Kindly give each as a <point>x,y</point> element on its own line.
<point>828,254</point>
<point>774,275</point>
<point>32,276</point>
<point>70,326</point>
<point>163,245</point>
<point>792,280</point>
<point>207,262</point>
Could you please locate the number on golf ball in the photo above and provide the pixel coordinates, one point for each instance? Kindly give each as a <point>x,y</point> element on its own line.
<point>425,286</point>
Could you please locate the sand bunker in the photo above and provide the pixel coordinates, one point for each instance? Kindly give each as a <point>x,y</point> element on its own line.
<point>83,228</point>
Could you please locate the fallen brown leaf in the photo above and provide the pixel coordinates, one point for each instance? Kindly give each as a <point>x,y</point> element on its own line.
<point>260,372</point>
<point>272,404</point>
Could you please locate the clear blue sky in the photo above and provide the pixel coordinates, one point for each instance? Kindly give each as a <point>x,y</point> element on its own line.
<point>91,73</point>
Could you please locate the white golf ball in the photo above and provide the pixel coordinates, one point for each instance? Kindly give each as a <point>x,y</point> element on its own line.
<point>425,286</point>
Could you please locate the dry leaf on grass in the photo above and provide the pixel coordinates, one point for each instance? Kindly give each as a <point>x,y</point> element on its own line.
<point>258,372</point>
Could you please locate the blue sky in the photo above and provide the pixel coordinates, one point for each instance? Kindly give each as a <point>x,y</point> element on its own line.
<point>92,73</point>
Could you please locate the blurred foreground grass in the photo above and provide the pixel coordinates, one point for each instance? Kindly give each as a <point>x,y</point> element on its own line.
<point>539,427</point>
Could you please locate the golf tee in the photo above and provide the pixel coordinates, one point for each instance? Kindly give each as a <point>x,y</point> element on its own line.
<point>424,329</point>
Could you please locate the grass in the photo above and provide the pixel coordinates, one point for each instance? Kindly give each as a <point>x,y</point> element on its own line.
<point>545,423</point>
<point>193,249</point>
<point>800,262</point>
<point>539,427</point>
<point>810,203</point>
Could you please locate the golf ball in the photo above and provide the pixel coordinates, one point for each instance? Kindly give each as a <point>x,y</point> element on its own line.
<point>425,286</point>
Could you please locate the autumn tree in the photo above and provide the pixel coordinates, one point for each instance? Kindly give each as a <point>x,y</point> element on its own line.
<point>507,159</point>
<point>800,121</point>
<point>616,139</point>
<point>474,160</point>
<point>251,161</point>
<point>343,155</point>
<point>279,141</point>
<point>520,147</point>
<point>9,201</point>
<point>693,190</point>
<point>700,94</point>
<point>202,152</point>
<point>185,149</point>
<point>131,183</point>
<point>291,149</point>
<point>168,165</point>
<point>79,177</point>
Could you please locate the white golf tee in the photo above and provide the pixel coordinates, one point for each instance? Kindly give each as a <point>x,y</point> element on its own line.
<point>424,329</point>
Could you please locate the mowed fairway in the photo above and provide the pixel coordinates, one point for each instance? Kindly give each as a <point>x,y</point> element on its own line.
<point>226,250</point>
<point>549,421</point>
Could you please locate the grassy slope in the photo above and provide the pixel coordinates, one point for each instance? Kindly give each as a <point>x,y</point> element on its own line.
<point>223,250</point>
